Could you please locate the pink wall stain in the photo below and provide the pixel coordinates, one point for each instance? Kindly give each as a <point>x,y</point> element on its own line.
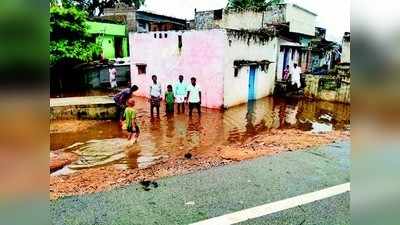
<point>201,56</point>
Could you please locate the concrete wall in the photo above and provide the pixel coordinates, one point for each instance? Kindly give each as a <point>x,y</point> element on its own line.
<point>89,107</point>
<point>204,20</point>
<point>106,28</point>
<point>247,20</point>
<point>202,56</point>
<point>275,15</point>
<point>209,56</point>
<point>236,88</point>
<point>300,20</point>
<point>314,89</point>
<point>345,58</point>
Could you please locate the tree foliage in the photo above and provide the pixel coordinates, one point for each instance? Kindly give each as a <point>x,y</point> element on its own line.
<point>69,39</point>
<point>256,5</point>
<point>96,7</point>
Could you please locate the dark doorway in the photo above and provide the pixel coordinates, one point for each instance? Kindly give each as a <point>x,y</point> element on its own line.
<point>118,47</point>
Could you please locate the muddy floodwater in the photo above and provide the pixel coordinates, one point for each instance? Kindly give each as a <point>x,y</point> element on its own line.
<point>105,143</point>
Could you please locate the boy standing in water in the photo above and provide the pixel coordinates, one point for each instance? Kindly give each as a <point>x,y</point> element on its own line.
<point>169,101</point>
<point>130,120</point>
<point>155,96</point>
<point>194,97</point>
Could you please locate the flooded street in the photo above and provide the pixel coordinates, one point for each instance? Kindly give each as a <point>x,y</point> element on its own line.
<point>105,143</point>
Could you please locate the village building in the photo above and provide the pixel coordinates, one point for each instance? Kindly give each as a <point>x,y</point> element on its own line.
<point>231,66</point>
<point>111,32</point>
<point>112,37</point>
<point>294,26</point>
<point>237,56</point>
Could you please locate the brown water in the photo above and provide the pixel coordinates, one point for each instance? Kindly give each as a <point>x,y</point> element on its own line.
<point>162,138</point>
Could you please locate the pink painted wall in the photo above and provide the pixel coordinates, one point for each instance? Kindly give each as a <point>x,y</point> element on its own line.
<point>201,56</point>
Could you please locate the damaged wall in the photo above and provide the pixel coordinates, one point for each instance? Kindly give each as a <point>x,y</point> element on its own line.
<point>248,20</point>
<point>201,55</point>
<point>240,48</point>
<point>327,89</point>
<point>208,55</point>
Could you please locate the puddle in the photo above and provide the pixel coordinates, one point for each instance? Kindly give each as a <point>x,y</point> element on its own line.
<point>105,144</point>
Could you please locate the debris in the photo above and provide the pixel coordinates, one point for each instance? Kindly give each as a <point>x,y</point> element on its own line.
<point>188,156</point>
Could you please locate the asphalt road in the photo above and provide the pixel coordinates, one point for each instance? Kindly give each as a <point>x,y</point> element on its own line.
<point>218,191</point>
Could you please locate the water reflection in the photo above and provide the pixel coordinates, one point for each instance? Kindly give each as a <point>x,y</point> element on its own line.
<point>178,135</point>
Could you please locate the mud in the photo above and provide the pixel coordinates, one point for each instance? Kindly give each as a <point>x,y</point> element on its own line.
<point>171,146</point>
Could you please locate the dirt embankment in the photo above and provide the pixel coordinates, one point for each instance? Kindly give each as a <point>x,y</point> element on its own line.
<point>268,143</point>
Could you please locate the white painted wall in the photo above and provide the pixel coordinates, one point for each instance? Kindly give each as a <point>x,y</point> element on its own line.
<point>248,20</point>
<point>207,55</point>
<point>345,58</point>
<point>301,21</point>
<point>236,88</point>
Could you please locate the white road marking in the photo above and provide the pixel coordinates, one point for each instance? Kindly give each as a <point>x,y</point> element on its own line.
<point>274,207</point>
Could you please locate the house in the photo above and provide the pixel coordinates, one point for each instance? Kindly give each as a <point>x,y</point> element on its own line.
<point>231,66</point>
<point>148,21</point>
<point>143,21</point>
<point>294,27</point>
<point>112,38</point>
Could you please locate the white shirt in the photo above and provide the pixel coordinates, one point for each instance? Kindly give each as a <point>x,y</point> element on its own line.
<point>180,89</point>
<point>194,93</point>
<point>155,90</point>
<point>113,73</point>
<point>296,74</point>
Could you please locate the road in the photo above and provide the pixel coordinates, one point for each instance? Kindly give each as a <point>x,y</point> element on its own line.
<point>218,191</point>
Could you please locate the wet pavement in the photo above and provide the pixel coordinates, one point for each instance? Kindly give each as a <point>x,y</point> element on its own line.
<point>217,191</point>
<point>106,143</point>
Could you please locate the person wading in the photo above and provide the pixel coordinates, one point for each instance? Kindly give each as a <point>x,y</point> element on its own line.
<point>113,76</point>
<point>296,71</point>
<point>155,96</point>
<point>180,92</point>
<point>121,98</point>
<point>194,97</point>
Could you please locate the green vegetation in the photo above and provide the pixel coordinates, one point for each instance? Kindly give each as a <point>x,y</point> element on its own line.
<point>69,40</point>
<point>256,5</point>
<point>96,7</point>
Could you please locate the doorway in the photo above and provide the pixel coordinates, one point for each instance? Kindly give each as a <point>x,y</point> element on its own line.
<point>252,79</point>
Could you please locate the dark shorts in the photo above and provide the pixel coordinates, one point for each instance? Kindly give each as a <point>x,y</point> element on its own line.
<point>155,101</point>
<point>131,130</point>
<point>194,106</point>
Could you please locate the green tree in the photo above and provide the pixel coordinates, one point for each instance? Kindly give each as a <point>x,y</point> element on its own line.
<point>70,42</point>
<point>96,7</point>
<point>256,5</point>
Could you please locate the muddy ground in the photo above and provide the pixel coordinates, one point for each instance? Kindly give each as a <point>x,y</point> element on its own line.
<point>270,142</point>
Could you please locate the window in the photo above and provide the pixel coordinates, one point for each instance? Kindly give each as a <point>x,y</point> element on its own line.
<point>141,69</point>
<point>155,35</point>
<point>179,41</point>
<point>236,71</point>
<point>160,35</point>
<point>218,14</point>
<point>165,35</point>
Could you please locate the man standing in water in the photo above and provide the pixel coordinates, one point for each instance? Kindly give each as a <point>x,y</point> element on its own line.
<point>113,76</point>
<point>296,76</point>
<point>180,91</point>
<point>155,96</point>
<point>121,100</point>
<point>194,97</point>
